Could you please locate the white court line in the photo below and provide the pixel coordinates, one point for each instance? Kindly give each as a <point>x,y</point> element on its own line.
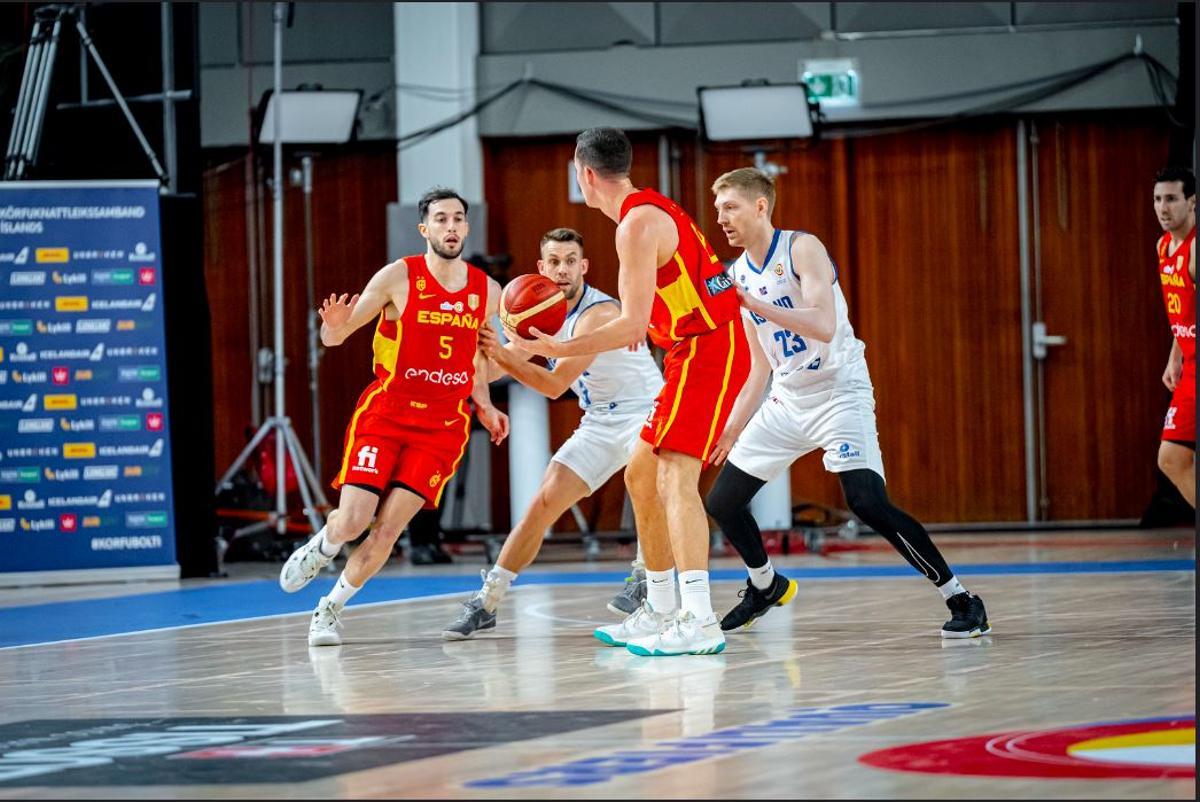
<point>219,623</point>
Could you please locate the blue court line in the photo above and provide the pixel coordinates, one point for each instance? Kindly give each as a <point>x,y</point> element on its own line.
<point>239,601</point>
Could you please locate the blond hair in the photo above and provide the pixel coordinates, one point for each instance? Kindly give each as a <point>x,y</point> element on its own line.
<point>751,182</point>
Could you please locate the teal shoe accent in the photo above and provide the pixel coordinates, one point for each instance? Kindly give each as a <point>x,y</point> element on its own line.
<point>606,639</point>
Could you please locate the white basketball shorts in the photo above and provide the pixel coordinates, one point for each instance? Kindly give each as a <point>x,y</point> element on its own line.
<point>841,421</point>
<point>604,441</point>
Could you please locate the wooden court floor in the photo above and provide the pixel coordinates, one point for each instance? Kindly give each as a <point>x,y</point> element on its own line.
<point>1085,689</point>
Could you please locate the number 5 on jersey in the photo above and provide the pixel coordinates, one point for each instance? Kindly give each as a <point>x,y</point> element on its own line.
<point>446,342</point>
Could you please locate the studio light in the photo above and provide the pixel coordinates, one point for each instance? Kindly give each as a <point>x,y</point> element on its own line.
<point>755,112</point>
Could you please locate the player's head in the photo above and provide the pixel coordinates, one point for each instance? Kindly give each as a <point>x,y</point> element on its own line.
<point>601,155</point>
<point>562,260</point>
<point>443,224</point>
<point>745,199</point>
<point>1174,197</point>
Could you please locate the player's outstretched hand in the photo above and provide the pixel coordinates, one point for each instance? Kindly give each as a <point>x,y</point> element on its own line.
<point>495,421</point>
<point>335,310</point>
<point>540,344</point>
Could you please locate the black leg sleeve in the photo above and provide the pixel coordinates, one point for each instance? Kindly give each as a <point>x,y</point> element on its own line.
<point>867,498</point>
<point>729,504</point>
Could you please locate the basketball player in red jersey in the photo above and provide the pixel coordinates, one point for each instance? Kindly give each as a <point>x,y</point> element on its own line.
<point>410,426</point>
<point>1175,206</point>
<point>674,288</point>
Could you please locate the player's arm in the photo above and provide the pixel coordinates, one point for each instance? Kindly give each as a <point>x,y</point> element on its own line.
<point>1174,369</point>
<point>495,421</point>
<point>638,237</point>
<point>749,398</point>
<point>554,382</point>
<point>499,354</point>
<point>340,316</point>
<point>815,317</point>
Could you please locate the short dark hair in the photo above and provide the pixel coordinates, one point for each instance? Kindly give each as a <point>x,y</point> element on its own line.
<point>561,235</point>
<point>1181,174</point>
<point>433,196</point>
<point>606,150</point>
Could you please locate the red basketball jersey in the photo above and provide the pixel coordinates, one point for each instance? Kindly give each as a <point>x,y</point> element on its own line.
<point>1179,292</point>
<point>694,295</point>
<point>428,354</point>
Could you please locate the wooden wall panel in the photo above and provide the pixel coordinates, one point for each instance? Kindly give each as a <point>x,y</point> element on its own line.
<point>935,276</point>
<point>1104,395</point>
<point>924,229</point>
<point>351,191</point>
<point>226,274</point>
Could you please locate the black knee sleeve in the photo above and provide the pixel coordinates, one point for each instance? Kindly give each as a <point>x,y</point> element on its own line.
<point>729,504</point>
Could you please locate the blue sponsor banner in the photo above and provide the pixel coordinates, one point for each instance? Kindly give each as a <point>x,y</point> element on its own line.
<point>85,455</point>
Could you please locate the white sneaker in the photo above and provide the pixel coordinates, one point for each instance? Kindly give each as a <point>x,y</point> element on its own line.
<point>304,564</point>
<point>644,621</point>
<point>682,634</point>
<point>326,626</point>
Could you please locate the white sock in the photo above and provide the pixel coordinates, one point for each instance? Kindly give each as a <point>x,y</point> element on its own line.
<point>495,585</point>
<point>762,578</point>
<point>694,595</point>
<point>952,587</point>
<point>343,591</point>
<point>660,590</point>
<point>327,548</point>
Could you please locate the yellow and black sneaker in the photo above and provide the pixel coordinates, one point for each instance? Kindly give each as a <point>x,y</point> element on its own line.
<point>756,602</point>
<point>968,618</point>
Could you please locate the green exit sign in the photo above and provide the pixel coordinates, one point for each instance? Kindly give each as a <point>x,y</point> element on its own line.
<point>832,82</point>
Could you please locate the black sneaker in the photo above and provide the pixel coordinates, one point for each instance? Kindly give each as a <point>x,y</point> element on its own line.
<point>756,602</point>
<point>631,596</point>
<point>968,619</point>
<point>473,618</point>
<point>429,554</point>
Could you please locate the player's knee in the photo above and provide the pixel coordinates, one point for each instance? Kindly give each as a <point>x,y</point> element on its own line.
<point>349,524</point>
<point>640,481</point>
<point>721,505</point>
<point>1174,462</point>
<point>865,495</point>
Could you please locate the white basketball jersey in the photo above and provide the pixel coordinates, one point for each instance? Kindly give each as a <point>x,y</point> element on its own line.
<point>615,377</point>
<point>799,366</point>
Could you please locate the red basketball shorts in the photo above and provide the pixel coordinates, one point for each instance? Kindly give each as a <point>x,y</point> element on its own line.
<point>703,376</point>
<point>399,441</point>
<point>1180,422</point>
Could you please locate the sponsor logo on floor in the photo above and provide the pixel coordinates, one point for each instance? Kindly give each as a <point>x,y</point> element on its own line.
<point>797,724</point>
<point>260,749</point>
<point>1161,748</point>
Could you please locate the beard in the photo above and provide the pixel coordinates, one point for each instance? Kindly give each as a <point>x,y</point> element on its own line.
<point>446,253</point>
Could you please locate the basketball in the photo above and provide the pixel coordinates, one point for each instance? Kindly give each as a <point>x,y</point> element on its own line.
<point>533,301</point>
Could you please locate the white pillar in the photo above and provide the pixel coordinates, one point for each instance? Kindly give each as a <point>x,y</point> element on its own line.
<point>772,506</point>
<point>528,446</point>
<point>437,45</point>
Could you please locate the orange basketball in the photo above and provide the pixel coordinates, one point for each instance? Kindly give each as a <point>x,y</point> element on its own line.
<point>532,300</point>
